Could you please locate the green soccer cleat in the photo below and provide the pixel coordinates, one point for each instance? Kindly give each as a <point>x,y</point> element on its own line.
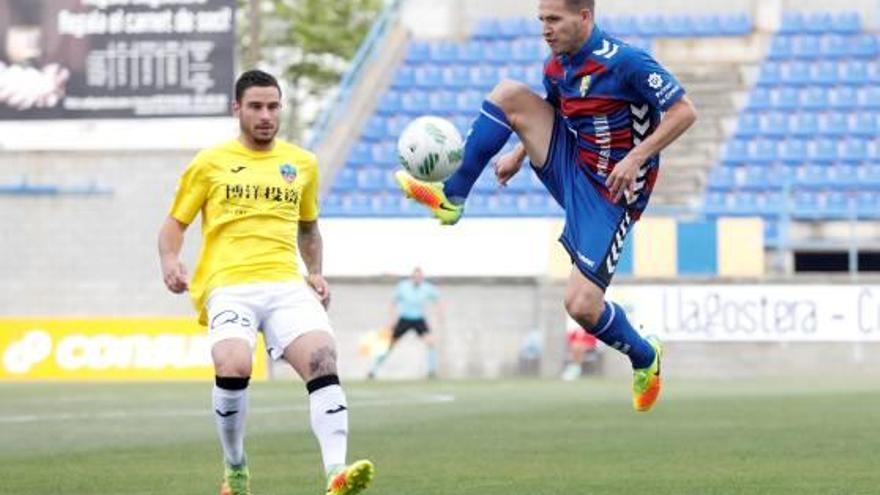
<point>351,479</point>
<point>236,481</point>
<point>646,381</point>
<point>429,194</point>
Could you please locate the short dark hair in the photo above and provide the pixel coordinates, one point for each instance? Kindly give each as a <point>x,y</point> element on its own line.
<point>253,78</point>
<point>577,5</point>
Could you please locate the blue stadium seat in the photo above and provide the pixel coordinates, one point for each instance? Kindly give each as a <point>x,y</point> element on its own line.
<point>403,78</point>
<point>805,125</point>
<point>470,102</point>
<point>818,23</point>
<point>760,99</point>
<point>793,151</point>
<point>331,205</point>
<point>839,205</point>
<point>835,46</point>
<point>854,151</point>
<point>516,72</point>
<point>844,176</point>
<point>477,205</point>
<point>792,23</point>
<point>486,28</point>
<point>390,103</point>
<point>868,204</point>
<point>844,98</point>
<point>815,98</point>
<point>869,98</point>
<point>745,203</point>
<point>775,125</point>
<point>771,74</point>
<point>463,122</point>
<point>395,126</point>
<point>418,52</point>
<point>486,182</point>
<point>511,27</point>
<point>443,103</point>
<point>756,178</point>
<point>520,182</point>
<point>797,73</point>
<point>824,73</point>
<point>470,52</point>
<point>526,51</point>
<point>444,52</point>
<point>807,204</point>
<point>807,47</point>
<point>765,151</point>
<point>846,23</point>
<point>722,178</point>
<point>625,25</point>
<point>359,155</point>
<point>864,46</point>
<point>869,176</point>
<point>834,124</point>
<point>414,103</point>
<point>384,154</point>
<point>651,25</point>
<point>707,25</point>
<point>736,152</point>
<point>812,176</point>
<point>370,180</point>
<point>374,129</point>
<point>716,202</point>
<point>535,77</point>
<point>823,151</point>
<point>855,72</point>
<point>484,77</point>
<point>456,77</point>
<point>865,125</point>
<point>680,26</point>
<point>748,125</point>
<point>428,77</point>
<point>736,25</point>
<point>781,48</point>
<point>344,180</point>
<point>787,98</point>
<point>499,52</point>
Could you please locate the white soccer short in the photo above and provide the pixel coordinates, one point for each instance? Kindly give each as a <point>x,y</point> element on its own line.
<point>281,310</point>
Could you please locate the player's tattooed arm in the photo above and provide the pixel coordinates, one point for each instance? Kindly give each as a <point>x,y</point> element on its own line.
<point>311,247</point>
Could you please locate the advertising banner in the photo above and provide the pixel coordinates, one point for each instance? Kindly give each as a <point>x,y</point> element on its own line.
<point>808,313</point>
<point>108,349</point>
<point>74,59</point>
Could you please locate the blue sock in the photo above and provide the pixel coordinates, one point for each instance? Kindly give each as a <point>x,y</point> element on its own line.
<point>487,136</point>
<point>615,330</point>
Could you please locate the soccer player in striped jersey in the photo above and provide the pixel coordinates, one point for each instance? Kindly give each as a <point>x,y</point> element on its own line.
<point>258,197</point>
<point>594,141</point>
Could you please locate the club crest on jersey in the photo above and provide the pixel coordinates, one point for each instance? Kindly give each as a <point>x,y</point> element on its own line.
<point>585,85</point>
<point>288,171</point>
<point>655,80</point>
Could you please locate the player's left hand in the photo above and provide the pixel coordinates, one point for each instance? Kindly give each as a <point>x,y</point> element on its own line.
<point>321,287</point>
<point>623,177</point>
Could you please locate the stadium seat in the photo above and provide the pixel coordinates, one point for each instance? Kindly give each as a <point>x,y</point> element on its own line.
<point>868,204</point>
<point>824,73</point>
<point>456,77</point>
<point>745,203</point>
<point>805,125</point>
<point>748,125</point>
<point>443,103</point>
<point>477,205</point>
<point>651,25</point>
<point>625,25</point>
<point>517,72</point>
<point>815,98</point>
<point>846,23</point>
<point>470,52</point>
<point>834,124</point>
<point>403,78</point>
<point>843,98</point>
<point>760,99</point>
<point>469,102</point>
<point>680,26</point>
<point>864,46</point>
<point>781,48</point>
<point>839,205</point>
<point>771,74</point>
<point>383,154</point>
<point>787,98</point>
<point>807,47</point>
<point>484,77</point>
<point>374,129</point>
<point>792,23</point>
<point>418,52</point>
<point>835,46</point>
<point>707,25</point>
<point>370,180</point>
<point>765,151</point>
<point>755,178</point>
<point>812,177</point>
<point>499,52</point>
<point>389,104</point>
<point>395,126</point>
<point>823,151</point>
<point>414,103</point>
<point>360,155</point>
<point>428,77</point>
<point>869,176</point>
<point>806,204</point>
<point>736,25</point>
<point>526,51</point>
<point>444,52</point>
<point>865,125</point>
<point>869,98</point>
<point>854,151</point>
<point>486,28</point>
<point>344,180</point>
<point>793,151</point>
<point>775,125</point>
<point>736,152</point>
<point>818,23</point>
<point>796,73</point>
<point>844,176</point>
<point>855,72</point>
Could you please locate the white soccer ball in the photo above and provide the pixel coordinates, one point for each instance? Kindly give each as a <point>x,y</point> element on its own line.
<point>430,148</point>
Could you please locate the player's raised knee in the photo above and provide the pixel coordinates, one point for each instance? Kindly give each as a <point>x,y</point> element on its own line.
<point>511,95</point>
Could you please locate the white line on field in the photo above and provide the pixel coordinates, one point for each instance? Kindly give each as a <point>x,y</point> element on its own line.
<point>176,413</point>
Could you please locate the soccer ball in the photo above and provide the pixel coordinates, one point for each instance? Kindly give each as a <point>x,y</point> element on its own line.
<point>430,148</point>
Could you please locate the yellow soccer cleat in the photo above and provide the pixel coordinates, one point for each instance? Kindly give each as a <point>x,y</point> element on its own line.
<point>236,481</point>
<point>429,194</point>
<point>351,479</point>
<point>646,381</point>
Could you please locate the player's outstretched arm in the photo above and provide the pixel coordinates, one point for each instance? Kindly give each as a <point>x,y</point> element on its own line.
<point>311,248</point>
<point>677,119</point>
<point>170,243</point>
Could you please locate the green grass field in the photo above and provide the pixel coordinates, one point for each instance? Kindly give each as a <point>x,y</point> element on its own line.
<point>444,438</point>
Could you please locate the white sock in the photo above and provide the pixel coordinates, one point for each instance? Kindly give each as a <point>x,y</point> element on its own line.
<point>330,424</point>
<point>230,409</point>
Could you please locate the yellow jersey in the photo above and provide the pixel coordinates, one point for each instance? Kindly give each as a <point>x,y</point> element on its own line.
<point>251,203</point>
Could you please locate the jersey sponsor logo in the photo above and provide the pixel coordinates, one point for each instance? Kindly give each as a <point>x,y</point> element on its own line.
<point>587,261</point>
<point>288,171</point>
<point>585,85</point>
<point>608,49</point>
<point>655,80</point>
<point>270,193</point>
<point>237,169</point>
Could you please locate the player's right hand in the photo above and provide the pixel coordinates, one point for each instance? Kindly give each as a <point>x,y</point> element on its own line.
<point>507,166</point>
<point>174,275</point>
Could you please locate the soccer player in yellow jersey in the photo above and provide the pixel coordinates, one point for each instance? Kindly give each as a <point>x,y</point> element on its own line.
<point>258,197</point>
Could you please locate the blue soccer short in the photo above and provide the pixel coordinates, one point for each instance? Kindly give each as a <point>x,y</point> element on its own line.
<point>595,228</point>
